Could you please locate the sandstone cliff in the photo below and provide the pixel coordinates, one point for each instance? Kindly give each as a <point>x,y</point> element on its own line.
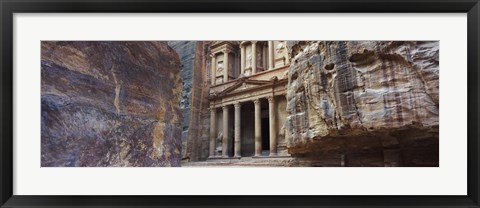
<point>368,103</point>
<point>196,147</point>
<point>186,53</point>
<point>110,104</point>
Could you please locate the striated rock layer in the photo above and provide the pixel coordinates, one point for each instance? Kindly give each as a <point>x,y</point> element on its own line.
<point>186,53</point>
<point>110,104</point>
<point>368,103</point>
<point>196,147</point>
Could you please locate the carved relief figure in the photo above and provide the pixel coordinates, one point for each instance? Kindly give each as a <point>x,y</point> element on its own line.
<point>280,46</point>
<point>249,59</point>
<point>279,56</point>
<point>219,67</point>
<point>218,149</point>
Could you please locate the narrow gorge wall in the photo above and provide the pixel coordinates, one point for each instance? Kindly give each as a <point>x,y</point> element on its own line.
<point>186,53</point>
<point>110,104</point>
<point>199,124</point>
<point>368,103</point>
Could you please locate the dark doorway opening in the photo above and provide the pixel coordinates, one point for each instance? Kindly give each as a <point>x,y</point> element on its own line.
<point>265,134</point>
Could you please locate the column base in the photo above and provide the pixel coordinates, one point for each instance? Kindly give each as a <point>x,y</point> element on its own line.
<point>273,154</point>
<point>234,157</point>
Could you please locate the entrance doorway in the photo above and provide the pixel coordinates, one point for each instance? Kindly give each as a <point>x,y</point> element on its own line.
<point>265,134</point>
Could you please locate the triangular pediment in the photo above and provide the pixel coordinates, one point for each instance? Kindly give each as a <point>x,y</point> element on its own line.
<point>244,84</point>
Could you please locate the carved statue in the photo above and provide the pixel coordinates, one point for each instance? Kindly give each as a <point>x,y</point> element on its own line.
<point>219,138</point>
<point>280,46</point>
<point>219,67</point>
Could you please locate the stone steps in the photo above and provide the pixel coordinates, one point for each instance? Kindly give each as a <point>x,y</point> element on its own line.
<point>242,162</point>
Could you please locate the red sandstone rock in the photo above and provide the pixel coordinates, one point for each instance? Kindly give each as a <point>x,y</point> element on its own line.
<point>364,103</point>
<point>110,104</point>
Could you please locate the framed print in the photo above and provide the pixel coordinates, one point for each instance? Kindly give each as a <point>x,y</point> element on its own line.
<point>242,104</point>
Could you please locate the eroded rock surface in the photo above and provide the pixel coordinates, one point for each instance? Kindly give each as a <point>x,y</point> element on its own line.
<point>110,104</point>
<point>368,103</point>
<point>186,53</point>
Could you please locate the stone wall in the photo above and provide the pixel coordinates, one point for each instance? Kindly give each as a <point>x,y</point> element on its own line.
<point>367,103</point>
<point>110,104</point>
<point>186,53</point>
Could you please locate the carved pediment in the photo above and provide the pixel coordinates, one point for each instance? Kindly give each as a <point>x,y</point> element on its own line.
<point>244,84</point>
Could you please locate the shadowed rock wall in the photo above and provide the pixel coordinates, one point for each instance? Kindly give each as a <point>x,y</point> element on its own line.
<point>197,145</point>
<point>186,53</point>
<point>368,103</point>
<point>110,104</point>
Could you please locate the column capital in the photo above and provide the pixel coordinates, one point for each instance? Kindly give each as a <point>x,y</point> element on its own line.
<point>212,108</point>
<point>237,104</point>
<point>254,42</point>
<point>271,99</point>
<point>225,107</point>
<point>227,51</point>
<point>256,101</point>
<point>212,55</point>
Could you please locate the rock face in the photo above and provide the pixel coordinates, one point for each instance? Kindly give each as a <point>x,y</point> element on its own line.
<point>110,104</point>
<point>196,147</point>
<point>368,103</point>
<point>186,52</point>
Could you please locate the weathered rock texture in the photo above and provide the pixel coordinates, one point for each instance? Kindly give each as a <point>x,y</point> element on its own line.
<point>368,103</point>
<point>186,53</point>
<point>110,104</point>
<point>197,145</point>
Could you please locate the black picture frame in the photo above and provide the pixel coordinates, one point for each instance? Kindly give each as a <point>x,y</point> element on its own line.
<point>9,7</point>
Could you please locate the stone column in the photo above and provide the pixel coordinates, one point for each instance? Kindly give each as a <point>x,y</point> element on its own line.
<point>225,65</point>
<point>273,126</point>
<point>242,59</point>
<point>213,130</point>
<point>258,128</point>
<point>254,57</point>
<point>238,143</point>
<point>214,68</point>
<point>270,55</point>
<point>225,132</point>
